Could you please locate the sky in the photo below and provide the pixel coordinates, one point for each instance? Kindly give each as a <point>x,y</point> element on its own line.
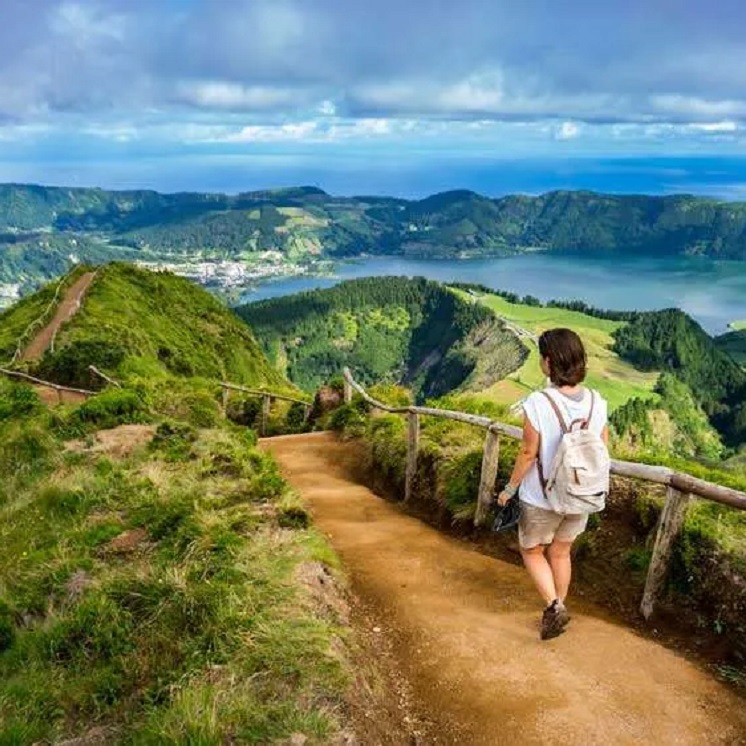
<point>401,97</point>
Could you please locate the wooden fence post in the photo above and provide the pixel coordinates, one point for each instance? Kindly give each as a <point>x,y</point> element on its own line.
<point>266,404</point>
<point>669,526</point>
<point>489,475</point>
<point>413,447</point>
<point>347,392</point>
<point>226,396</point>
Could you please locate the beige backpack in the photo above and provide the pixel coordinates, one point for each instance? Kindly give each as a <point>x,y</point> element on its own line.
<point>578,479</point>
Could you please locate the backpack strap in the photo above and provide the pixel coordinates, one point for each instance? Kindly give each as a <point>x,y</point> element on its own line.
<point>563,424</point>
<point>587,423</point>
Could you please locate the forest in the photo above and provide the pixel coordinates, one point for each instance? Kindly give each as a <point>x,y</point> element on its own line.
<point>387,329</point>
<point>670,340</point>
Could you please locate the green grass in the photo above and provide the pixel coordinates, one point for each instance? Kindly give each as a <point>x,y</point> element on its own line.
<point>615,379</point>
<point>202,634</point>
<point>135,322</point>
<point>738,326</point>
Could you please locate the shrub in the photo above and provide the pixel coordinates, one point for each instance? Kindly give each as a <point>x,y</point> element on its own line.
<point>244,410</point>
<point>349,418</point>
<point>295,419</point>
<point>97,630</point>
<point>18,400</point>
<point>109,409</point>
<point>26,451</point>
<point>7,628</point>
<point>173,440</point>
<point>460,481</point>
<point>69,365</point>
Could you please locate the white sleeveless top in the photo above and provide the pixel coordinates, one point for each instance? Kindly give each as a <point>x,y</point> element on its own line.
<point>544,420</point>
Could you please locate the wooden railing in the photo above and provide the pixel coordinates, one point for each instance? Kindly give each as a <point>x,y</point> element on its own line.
<point>267,398</point>
<point>681,487</point>
<point>41,320</point>
<point>47,384</point>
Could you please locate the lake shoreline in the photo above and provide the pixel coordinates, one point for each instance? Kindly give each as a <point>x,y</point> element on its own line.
<point>712,292</point>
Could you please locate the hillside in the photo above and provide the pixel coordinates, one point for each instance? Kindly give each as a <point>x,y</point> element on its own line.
<point>396,329</point>
<point>615,378</point>
<point>135,323</point>
<point>41,228</point>
<point>734,343</point>
<point>158,580</point>
<point>157,575</point>
<point>670,340</point>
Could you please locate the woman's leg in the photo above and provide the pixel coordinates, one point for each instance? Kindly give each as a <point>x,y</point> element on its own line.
<point>561,564</point>
<point>541,572</point>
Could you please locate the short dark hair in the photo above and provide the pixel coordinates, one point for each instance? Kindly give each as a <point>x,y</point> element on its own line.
<point>566,354</point>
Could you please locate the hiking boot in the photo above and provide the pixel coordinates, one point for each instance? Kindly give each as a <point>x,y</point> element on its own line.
<point>554,620</point>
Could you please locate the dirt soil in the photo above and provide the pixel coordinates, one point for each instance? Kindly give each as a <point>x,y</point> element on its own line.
<point>463,627</point>
<point>118,442</point>
<point>65,311</point>
<point>52,397</point>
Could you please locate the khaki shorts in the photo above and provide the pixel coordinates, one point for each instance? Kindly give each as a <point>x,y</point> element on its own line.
<point>538,526</point>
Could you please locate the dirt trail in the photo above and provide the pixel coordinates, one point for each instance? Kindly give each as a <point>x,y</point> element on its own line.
<point>465,629</point>
<point>66,310</point>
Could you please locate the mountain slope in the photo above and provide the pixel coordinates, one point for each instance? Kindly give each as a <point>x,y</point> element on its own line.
<point>734,343</point>
<point>413,331</point>
<point>671,340</point>
<point>41,227</point>
<point>138,323</point>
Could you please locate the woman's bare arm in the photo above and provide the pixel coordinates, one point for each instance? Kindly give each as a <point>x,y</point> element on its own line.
<point>525,460</point>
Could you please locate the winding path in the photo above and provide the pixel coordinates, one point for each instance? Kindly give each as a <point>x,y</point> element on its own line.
<point>465,632</point>
<point>68,307</point>
<point>44,339</point>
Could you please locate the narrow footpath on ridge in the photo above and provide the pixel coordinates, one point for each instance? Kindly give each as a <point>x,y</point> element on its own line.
<point>67,308</point>
<point>42,341</point>
<point>464,630</point>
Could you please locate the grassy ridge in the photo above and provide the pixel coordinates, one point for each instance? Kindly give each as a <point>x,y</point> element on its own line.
<point>139,323</point>
<point>385,328</point>
<point>158,596</point>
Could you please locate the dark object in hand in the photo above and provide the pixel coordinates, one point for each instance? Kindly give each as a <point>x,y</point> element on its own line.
<point>507,516</point>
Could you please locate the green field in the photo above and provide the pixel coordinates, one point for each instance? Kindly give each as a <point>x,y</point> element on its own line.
<point>738,326</point>
<point>615,379</point>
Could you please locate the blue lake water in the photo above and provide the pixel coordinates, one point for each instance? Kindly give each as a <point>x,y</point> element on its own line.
<point>712,292</point>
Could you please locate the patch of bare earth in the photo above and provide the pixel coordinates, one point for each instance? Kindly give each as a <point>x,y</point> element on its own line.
<point>127,542</point>
<point>52,397</point>
<point>117,442</point>
<point>381,708</point>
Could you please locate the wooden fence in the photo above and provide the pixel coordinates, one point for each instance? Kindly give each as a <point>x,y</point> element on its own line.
<point>267,398</point>
<point>46,384</point>
<point>680,487</point>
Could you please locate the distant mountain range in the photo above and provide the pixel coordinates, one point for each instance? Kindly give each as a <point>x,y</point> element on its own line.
<point>41,228</point>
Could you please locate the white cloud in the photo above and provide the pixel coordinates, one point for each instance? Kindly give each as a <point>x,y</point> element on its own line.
<point>724,126</point>
<point>270,133</point>
<point>234,96</point>
<point>327,108</point>
<point>697,108</point>
<point>568,131</point>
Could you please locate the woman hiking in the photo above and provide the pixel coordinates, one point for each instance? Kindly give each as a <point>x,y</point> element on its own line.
<point>549,523</point>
